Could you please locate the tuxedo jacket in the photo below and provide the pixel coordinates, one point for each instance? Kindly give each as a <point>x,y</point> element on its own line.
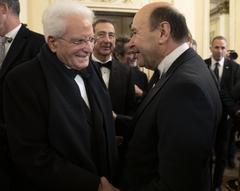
<point>24,47</point>
<point>174,130</point>
<point>140,79</point>
<point>121,88</point>
<point>230,77</point>
<point>54,143</point>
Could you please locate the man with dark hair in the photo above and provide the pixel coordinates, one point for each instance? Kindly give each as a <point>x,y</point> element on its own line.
<point>227,73</point>
<point>126,55</point>
<point>175,125</point>
<point>116,77</point>
<point>17,44</point>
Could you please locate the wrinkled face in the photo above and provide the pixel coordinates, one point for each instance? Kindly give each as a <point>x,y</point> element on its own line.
<point>105,39</point>
<point>144,41</point>
<point>219,49</point>
<point>76,45</point>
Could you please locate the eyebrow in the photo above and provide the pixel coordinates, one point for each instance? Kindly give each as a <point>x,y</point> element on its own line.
<point>219,46</point>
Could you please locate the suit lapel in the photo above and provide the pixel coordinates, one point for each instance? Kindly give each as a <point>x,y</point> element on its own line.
<point>98,91</point>
<point>163,81</point>
<point>226,72</point>
<point>208,62</point>
<point>114,79</point>
<point>15,49</point>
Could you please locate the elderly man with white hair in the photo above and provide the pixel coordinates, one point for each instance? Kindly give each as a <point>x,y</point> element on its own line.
<point>58,115</point>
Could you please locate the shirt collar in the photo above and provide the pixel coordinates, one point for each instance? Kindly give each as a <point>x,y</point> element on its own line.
<point>12,34</point>
<point>95,59</point>
<point>213,61</point>
<point>170,58</point>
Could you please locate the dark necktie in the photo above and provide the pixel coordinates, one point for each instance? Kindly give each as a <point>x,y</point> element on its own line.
<point>107,64</point>
<point>3,40</point>
<point>216,70</point>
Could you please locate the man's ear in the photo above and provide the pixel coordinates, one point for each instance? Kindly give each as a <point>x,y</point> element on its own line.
<point>3,8</point>
<point>52,43</point>
<point>164,29</point>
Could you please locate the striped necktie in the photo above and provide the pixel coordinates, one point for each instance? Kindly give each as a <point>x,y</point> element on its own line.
<point>3,40</point>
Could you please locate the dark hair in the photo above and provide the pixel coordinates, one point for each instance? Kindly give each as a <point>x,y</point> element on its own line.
<point>218,38</point>
<point>179,29</point>
<point>14,5</point>
<point>101,21</point>
<point>119,46</point>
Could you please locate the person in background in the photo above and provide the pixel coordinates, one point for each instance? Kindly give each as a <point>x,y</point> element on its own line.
<point>227,75</point>
<point>194,44</point>
<point>174,127</point>
<point>117,78</point>
<point>234,184</point>
<point>58,115</point>
<point>17,45</point>
<point>191,42</point>
<point>125,55</point>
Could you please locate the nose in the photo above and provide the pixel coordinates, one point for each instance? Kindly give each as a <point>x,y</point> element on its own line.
<point>107,38</point>
<point>88,46</point>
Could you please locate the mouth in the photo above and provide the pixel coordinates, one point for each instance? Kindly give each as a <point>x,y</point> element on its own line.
<point>82,56</point>
<point>106,47</point>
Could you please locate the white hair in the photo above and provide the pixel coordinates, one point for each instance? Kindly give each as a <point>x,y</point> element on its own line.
<point>55,17</point>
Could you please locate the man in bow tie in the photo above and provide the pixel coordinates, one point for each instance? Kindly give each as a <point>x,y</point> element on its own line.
<point>58,115</point>
<point>117,78</point>
<point>21,45</point>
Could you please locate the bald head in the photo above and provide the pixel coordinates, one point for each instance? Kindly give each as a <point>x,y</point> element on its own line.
<point>154,13</point>
<point>157,29</point>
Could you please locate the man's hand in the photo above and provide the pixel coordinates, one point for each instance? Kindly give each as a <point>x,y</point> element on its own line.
<point>114,115</point>
<point>138,91</point>
<point>106,186</point>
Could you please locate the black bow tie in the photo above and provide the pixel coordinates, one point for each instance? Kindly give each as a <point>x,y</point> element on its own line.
<point>83,73</point>
<point>107,64</point>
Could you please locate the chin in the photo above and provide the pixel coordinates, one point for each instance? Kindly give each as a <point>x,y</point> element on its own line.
<point>82,65</point>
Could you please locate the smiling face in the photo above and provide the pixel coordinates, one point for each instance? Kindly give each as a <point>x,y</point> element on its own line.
<point>74,55</point>
<point>145,41</point>
<point>105,40</point>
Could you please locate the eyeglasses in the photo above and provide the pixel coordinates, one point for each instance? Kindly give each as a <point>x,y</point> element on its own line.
<point>103,34</point>
<point>79,41</point>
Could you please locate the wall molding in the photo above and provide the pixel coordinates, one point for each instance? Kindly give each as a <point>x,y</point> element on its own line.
<point>129,6</point>
<point>221,8</point>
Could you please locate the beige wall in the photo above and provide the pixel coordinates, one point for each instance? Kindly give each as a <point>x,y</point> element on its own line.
<point>31,13</point>
<point>195,11</point>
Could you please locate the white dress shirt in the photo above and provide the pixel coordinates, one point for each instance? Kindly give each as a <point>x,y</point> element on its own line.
<point>78,79</point>
<point>104,70</point>
<point>12,34</point>
<point>169,59</point>
<point>220,66</point>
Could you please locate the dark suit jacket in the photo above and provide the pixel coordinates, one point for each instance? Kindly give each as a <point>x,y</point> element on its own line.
<point>230,77</point>
<point>175,127</point>
<point>140,78</point>
<point>52,143</point>
<point>121,88</point>
<point>25,46</point>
